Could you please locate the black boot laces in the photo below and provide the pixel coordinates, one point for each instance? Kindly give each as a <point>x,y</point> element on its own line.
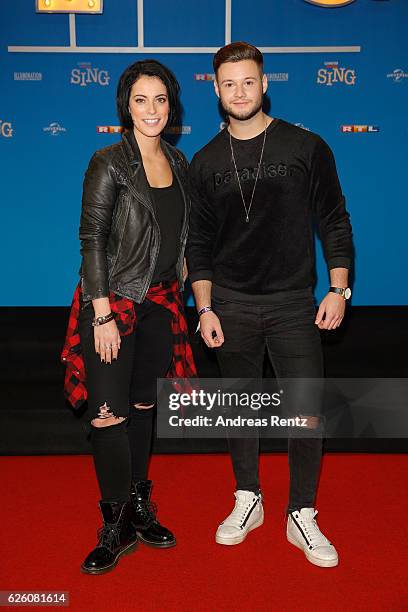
<point>108,536</point>
<point>147,511</point>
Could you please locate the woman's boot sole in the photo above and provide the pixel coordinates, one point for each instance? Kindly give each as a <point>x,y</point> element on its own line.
<point>125,551</point>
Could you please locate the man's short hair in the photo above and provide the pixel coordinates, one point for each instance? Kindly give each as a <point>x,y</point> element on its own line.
<point>152,68</point>
<point>236,52</point>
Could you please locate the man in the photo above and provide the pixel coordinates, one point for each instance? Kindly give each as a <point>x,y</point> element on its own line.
<point>257,188</point>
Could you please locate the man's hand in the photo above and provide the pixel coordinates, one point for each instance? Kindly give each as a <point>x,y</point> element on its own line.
<point>331,311</point>
<point>210,323</point>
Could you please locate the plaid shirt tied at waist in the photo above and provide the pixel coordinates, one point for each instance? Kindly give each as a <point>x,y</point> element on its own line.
<point>167,295</point>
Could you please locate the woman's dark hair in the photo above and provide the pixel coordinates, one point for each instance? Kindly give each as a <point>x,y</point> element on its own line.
<point>236,52</point>
<point>152,68</point>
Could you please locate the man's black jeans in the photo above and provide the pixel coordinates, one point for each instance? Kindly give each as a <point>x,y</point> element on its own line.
<point>286,329</point>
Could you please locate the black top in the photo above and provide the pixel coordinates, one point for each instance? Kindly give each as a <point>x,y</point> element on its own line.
<point>275,251</point>
<point>169,210</point>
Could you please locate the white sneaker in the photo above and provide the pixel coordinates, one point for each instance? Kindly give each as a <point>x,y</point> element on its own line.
<point>247,515</point>
<point>303,532</point>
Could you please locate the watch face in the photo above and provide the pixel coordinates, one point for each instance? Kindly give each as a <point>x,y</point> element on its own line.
<point>347,293</point>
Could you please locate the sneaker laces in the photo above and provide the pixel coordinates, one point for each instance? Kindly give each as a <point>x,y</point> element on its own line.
<point>240,510</point>
<point>312,531</point>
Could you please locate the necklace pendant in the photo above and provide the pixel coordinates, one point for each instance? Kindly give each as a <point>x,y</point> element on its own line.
<point>247,219</point>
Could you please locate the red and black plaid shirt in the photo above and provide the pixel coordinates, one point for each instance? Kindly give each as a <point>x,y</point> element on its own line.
<point>182,365</point>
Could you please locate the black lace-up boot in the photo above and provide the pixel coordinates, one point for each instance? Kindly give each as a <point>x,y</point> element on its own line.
<point>117,537</point>
<point>144,520</point>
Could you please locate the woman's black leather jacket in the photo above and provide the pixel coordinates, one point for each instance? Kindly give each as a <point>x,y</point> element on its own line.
<point>119,234</point>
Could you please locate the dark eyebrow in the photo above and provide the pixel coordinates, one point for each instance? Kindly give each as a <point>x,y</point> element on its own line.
<point>232,80</point>
<point>143,96</point>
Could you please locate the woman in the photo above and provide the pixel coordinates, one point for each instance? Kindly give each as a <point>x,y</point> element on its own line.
<point>127,326</point>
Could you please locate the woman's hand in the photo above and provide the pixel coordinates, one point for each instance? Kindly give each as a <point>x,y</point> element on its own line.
<point>107,341</point>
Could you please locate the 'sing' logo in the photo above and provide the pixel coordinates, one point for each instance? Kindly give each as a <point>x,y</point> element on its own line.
<point>6,129</point>
<point>332,73</point>
<point>86,75</point>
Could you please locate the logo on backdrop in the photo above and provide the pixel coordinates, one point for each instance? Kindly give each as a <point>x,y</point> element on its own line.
<point>6,129</point>
<point>332,74</point>
<point>359,129</point>
<point>302,126</point>
<point>205,77</point>
<point>271,76</point>
<point>397,75</point>
<point>330,3</point>
<point>109,129</point>
<point>178,129</point>
<point>55,129</point>
<point>85,75</point>
<point>28,76</point>
<point>277,76</point>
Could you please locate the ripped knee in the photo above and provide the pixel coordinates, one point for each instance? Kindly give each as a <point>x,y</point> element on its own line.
<point>106,417</point>
<point>143,406</point>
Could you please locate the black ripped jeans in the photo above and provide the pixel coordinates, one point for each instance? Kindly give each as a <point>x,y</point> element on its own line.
<point>286,329</point>
<point>122,451</point>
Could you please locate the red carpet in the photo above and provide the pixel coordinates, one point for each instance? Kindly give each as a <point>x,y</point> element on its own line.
<point>49,517</point>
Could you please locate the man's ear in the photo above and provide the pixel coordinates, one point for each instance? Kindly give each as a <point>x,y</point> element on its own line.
<point>264,83</point>
<point>217,89</point>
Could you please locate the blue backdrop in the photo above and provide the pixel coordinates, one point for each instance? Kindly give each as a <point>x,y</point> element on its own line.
<point>329,69</point>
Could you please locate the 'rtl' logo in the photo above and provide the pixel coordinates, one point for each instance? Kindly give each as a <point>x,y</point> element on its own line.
<point>359,129</point>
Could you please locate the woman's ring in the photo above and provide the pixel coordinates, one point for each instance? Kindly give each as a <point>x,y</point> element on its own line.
<point>108,346</point>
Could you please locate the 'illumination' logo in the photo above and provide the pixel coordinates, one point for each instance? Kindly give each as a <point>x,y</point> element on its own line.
<point>28,76</point>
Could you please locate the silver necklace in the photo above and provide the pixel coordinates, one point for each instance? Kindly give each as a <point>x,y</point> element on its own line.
<point>248,209</point>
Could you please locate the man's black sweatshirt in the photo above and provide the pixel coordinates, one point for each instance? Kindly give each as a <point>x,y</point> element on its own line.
<point>297,186</point>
